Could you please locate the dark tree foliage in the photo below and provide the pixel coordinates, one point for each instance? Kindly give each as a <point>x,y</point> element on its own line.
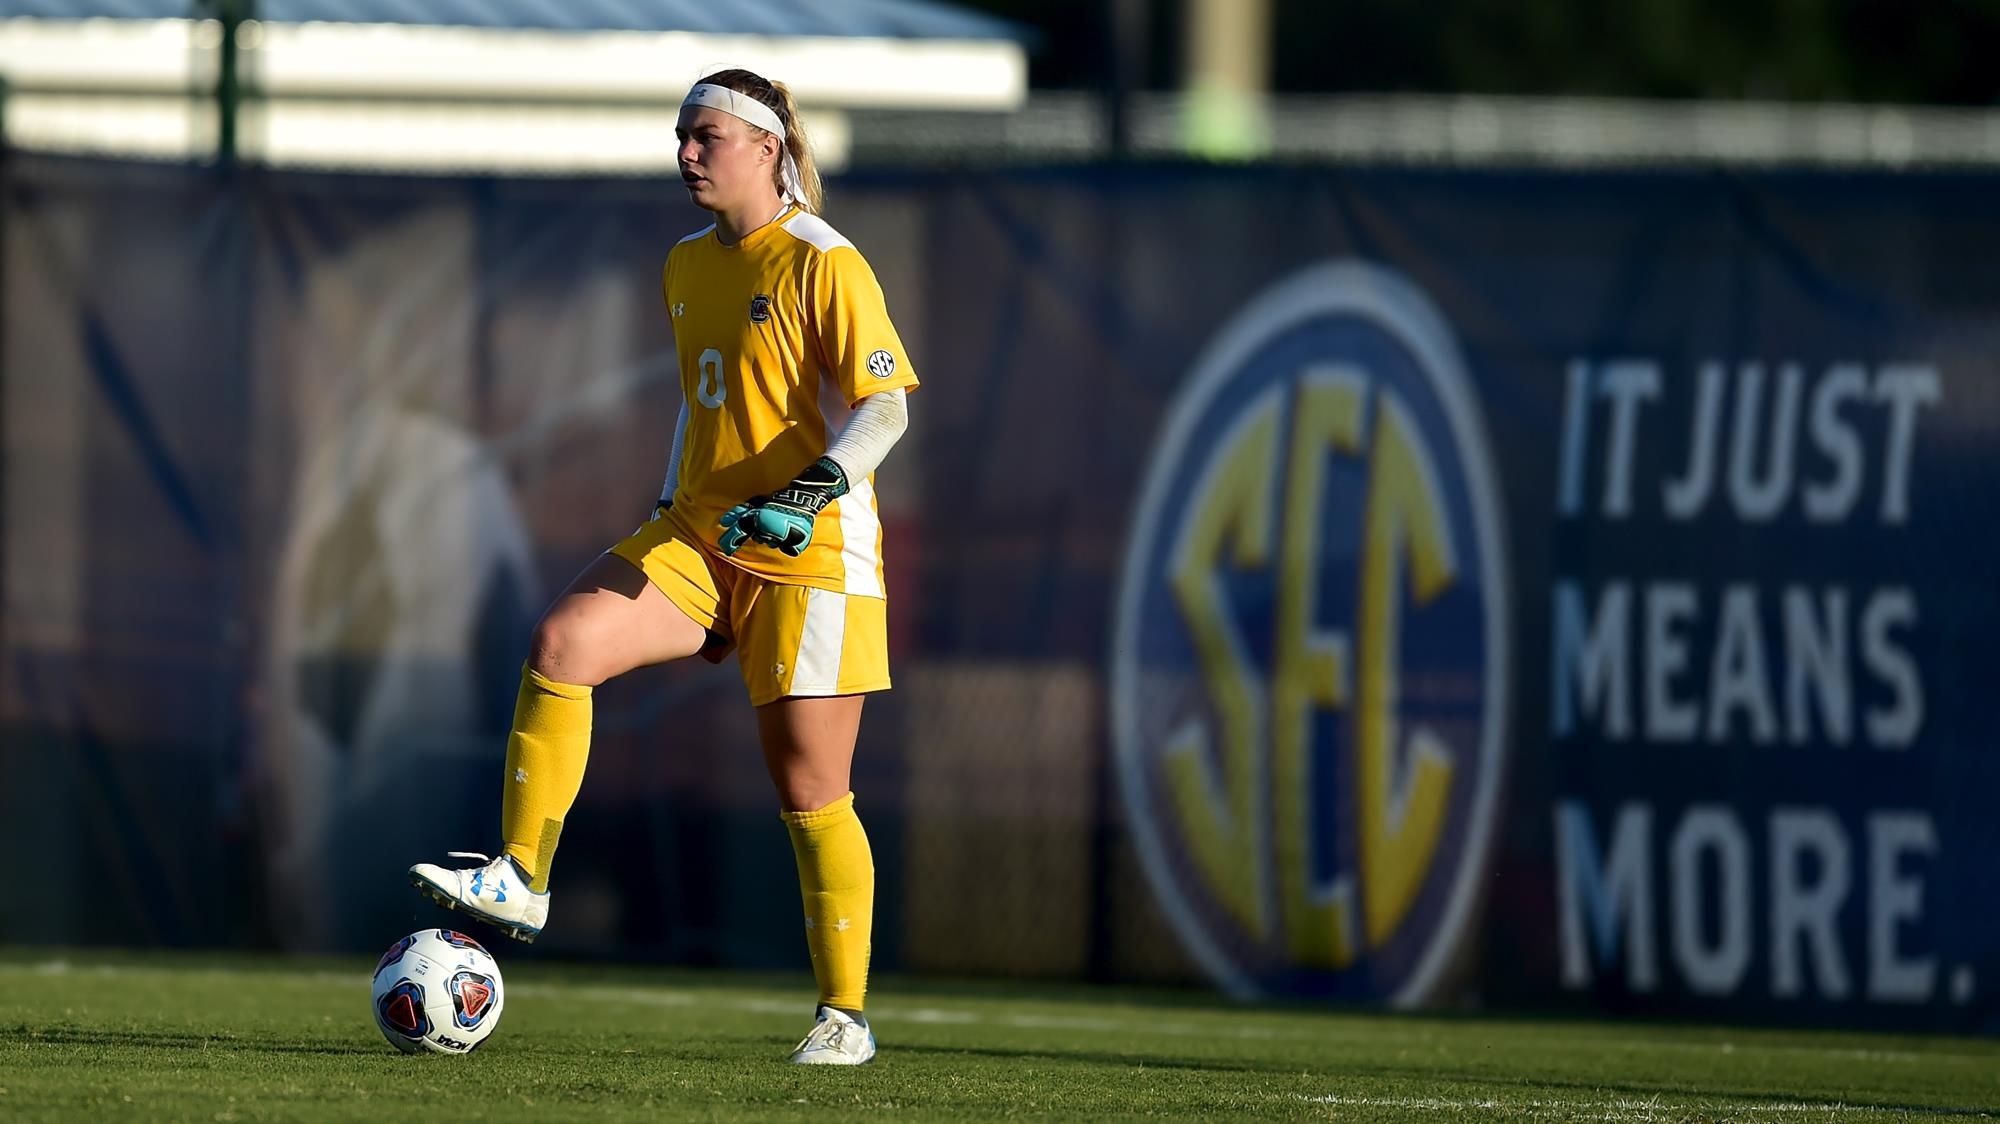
<point>1939,51</point>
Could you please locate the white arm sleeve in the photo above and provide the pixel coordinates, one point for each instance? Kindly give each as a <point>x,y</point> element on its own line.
<point>869,434</point>
<point>674,458</point>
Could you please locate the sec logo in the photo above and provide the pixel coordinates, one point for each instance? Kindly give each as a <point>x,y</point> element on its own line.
<point>1309,660</point>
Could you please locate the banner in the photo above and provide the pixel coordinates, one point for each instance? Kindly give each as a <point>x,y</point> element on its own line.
<point>1418,588</point>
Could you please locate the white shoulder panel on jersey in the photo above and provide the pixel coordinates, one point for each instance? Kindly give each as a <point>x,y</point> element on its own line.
<point>702,233</point>
<point>810,228</point>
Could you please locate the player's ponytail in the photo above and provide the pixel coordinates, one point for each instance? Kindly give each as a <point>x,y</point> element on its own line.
<point>800,148</point>
<point>779,100</point>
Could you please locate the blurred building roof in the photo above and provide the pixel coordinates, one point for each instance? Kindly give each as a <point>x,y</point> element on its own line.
<point>889,19</point>
<point>501,85</point>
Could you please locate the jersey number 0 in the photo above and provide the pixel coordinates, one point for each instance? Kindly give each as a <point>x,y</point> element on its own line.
<point>709,389</point>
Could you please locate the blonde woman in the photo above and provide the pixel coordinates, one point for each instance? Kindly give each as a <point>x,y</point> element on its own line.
<point>765,539</point>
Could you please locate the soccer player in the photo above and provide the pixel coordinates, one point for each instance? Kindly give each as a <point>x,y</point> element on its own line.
<point>765,539</point>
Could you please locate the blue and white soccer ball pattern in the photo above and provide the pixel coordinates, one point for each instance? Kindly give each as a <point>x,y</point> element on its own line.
<point>437,990</point>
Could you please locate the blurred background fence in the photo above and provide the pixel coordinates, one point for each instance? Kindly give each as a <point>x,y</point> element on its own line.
<point>293,460</point>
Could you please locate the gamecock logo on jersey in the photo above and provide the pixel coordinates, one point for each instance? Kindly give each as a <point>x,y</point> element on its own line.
<point>1309,680</point>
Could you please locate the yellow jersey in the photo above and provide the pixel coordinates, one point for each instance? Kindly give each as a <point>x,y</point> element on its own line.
<point>778,336</point>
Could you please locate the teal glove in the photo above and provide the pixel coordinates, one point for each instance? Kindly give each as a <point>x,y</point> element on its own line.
<point>783,520</point>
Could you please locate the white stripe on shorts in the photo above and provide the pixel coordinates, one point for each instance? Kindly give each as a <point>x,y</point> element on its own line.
<point>860,535</point>
<point>817,668</point>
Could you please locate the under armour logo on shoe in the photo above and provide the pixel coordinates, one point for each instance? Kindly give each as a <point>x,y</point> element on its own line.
<point>499,887</point>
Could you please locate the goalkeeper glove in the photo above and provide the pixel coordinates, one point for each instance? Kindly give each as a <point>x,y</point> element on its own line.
<point>783,520</point>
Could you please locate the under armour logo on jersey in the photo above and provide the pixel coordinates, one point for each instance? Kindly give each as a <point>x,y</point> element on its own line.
<point>881,364</point>
<point>760,308</point>
<point>680,307</point>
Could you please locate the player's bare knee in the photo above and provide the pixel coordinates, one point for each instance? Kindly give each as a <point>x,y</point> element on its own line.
<point>809,792</point>
<point>559,650</point>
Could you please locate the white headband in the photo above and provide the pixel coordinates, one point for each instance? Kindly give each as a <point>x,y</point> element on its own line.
<point>747,108</point>
<point>736,105</point>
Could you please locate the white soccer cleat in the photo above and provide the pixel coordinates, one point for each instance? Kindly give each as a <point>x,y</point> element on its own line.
<point>836,1039</point>
<point>496,893</point>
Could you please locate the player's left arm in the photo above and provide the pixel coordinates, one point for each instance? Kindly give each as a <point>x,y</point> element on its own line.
<point>860,347</point>
<point>679,447</point>
<point>784,519</point>
<point>672,483</point>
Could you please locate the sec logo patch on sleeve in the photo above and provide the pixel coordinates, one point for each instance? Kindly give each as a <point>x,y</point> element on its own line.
<point>881,364</point>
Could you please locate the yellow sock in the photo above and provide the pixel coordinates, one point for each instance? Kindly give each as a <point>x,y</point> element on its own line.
<point>545,758</point>
<point>837,882</point>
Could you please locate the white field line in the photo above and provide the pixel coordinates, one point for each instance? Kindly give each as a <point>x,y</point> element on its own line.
<point>650,996</point>
<point>1613,1110</point>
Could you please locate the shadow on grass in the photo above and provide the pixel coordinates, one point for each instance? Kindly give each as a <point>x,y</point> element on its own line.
<point>1722,1100</point>
<point>178,1040</point>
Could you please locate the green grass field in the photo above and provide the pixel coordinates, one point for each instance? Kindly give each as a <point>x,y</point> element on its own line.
<point>88,1036</point>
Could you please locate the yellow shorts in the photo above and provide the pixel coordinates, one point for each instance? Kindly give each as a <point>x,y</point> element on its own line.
<point>789,639</point>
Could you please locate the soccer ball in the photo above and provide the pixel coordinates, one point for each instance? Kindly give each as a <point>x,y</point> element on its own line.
<point>437,990</point>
